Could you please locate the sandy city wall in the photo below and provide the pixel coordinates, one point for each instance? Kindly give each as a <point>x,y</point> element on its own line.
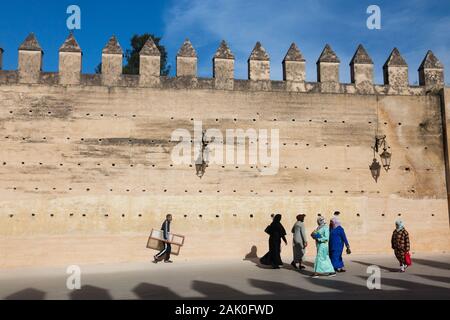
<point>86,169</point>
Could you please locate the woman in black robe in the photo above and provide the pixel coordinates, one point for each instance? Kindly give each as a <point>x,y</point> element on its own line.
<point>276,232</point>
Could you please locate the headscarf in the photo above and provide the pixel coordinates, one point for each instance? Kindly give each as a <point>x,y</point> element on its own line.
<point>276,227</point>
<point>399,225</point>
<point>277,218</point>
<point>336,222</point>
<point>320,222</point>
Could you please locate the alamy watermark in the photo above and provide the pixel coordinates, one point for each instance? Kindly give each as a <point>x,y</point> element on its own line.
<point>73,22</point>
<point>234,146</point>
<point>374,280</point>
<point>374,20</point>
<point>73,282</point>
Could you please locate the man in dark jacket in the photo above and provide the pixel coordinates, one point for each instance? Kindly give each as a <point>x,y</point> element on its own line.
<point>167,247</point>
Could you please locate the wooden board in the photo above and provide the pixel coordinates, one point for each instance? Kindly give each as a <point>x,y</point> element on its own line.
<point>156,241</point>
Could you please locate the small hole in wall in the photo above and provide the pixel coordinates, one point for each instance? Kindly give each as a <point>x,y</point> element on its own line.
<point>123,216</point>
<point>139,215</point>
<point>33,215</point>
<point>325,121</point>
<point>71,215</point>
<point>272,215</point>
<point>52,215</point>
<point>106,215</point>
<point>185,215</point>
<point>11,216</point>
<point>382,214</point>
<point>358,215</point>
<point>432,214</point>
<point>251,216</point>
<point>399,123</point>
<point>399,214</point>
<point>200,216</point>
<point>217,216</point>
<point>370,122</point>
<point>84,215</point>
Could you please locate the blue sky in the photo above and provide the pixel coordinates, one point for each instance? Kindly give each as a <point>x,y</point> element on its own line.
<point>414,26</point>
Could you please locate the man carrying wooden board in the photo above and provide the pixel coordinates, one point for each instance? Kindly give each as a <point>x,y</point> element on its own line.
<point>167,246</point>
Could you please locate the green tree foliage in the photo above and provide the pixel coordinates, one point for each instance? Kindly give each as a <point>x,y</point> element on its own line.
<point>132,55</point>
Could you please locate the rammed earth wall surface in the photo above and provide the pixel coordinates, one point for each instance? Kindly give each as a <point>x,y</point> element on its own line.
<point>86,168</point>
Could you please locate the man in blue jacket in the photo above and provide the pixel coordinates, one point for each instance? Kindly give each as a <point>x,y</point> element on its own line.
<point>167,247</point>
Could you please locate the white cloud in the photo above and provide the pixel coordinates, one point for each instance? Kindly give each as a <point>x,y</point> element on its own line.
<point>311,24</point>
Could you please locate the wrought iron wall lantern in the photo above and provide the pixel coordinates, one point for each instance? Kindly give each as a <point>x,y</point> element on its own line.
<point>202,163</point>
<point>385,157</point>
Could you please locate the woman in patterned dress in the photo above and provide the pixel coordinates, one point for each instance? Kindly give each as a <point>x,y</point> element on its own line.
<point>400,244</point>
<point>322,265</point>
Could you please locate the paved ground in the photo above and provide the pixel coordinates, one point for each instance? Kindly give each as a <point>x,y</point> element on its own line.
<point>428,278</point>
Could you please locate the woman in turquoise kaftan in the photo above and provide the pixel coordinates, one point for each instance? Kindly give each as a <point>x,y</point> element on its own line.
<point>322,265</point>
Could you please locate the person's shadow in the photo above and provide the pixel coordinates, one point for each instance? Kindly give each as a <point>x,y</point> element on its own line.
<point>252,256</point>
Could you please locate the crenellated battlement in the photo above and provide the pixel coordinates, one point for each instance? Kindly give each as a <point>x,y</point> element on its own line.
<point>395,70</point>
